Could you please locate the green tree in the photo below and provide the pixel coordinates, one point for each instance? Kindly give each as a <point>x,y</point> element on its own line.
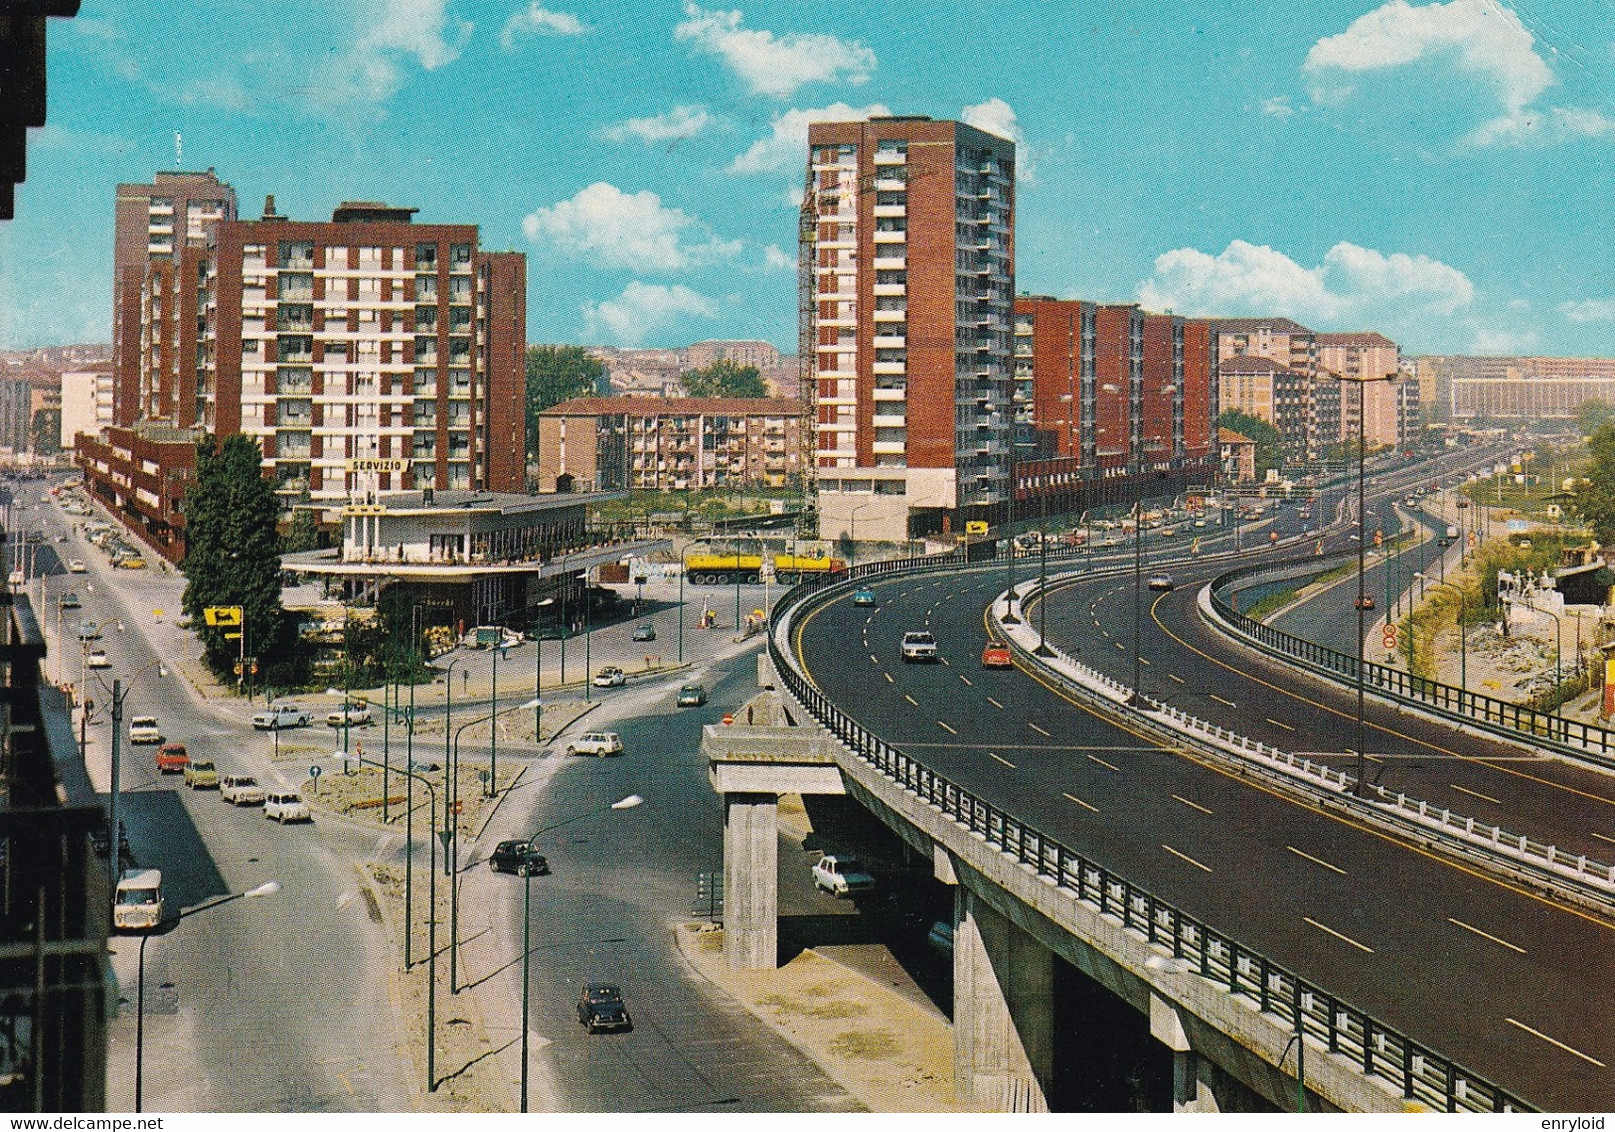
<point>1595,495</point>
<point>1592,416</point>
<point>556,374</point>
<point>723,378</point>
<point>47,432</point>
<point>304,532</point>
<point>1269,444</point>
<point>232,552</point>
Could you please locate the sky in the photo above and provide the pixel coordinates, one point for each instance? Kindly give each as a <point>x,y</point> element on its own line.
<point>1438,172</point>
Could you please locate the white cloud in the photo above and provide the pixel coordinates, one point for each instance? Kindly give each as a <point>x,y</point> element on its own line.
<point>777,260</point>
<point>995,116</point>
<point>1351,282</point>
<point>393,31</point>
<point>535,19</point>
<point>786,146</point>
<point>1278,106</point>
<point>774,65</point>
<point>643,311</point>
<point>612,228</point>
<point>1589,310</point>
<point>1554,124</point>
<point>678,123</point>
<point>1490,340</point>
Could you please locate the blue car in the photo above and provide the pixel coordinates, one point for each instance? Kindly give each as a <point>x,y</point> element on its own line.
<point>863,597</point>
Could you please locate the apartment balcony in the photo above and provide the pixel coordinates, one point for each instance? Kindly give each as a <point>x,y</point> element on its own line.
<point>891,184</point>
<point>898,394</point>
<point>891,157</point>
<point>888,289</point>
<point>891,210</point>
<point>891,367</point>
<point>883,420</point>
<point>891,341</point>
<point>891,263</point>
<point>890,316</point>
<point>889,447</point>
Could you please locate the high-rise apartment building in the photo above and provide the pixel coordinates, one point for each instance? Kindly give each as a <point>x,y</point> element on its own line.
<point>1365,357</point>
<point>152,226</point>
<point>1262,388</point>
<point>1292,346</point>
<point>907,267</point>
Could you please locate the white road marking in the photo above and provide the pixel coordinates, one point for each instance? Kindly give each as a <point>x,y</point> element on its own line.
<point>1192,805</point>
<point>1103,763</point>
<point>946,728</point>
<point>1555,1041</point>
<point>1316,860</point>
<point>1040,731</point>
<point>1144,660</point>
<point>944,660</point>
<point>1080,802</point>
<point>889,679</point>
<point>1486,935</point>
<point>1220,700</point>
<point>1005,761</point>
<point>966,679</point>
<point>911,699</point>
<point>1174,676</point>
<point>1601,837</point>
<point>1474,794</point>
<point>1186,857</point>
<point>995,703</point>
<point>1337,935</point>
<point>1276,723</point>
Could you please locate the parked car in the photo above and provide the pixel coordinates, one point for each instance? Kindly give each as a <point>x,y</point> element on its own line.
<point>610,677</point>
<point>130,562</point>
<point>600,1007</point>
<point>692,695</point>
<point>201,774</point>
<point>353,713</point>
<point>172,759</point>
<point>841,876</point>
<point>863,596</point>
<point>919,647</point>
<point>645,632</point>
<point>89,631</point>
<point>277,716</point>
<point>241,790</point>
<point>144,729</point>
<point>518,857</point>
<point>70,600</point>
<point>286,805</point>
<point>76,566</point>
<point>1162,582</point>
<point>597,743</point>
<point>97,658</point>
<point>996,655</point>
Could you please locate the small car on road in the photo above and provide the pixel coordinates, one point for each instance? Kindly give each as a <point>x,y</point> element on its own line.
<point>172,759</point>
<point>144,729</point>
<point>996,655</point>
<point>518,857</point>
<point>89,631</point>
<point>645,633</point>
<point>97,658</point>
<point>201,774</point>
<point>864,596</point>
<point>610,677</point>
<point>241,790</point>
<point>1161,582</point>
<point>692,695</point>
<point>70,600</point>
<point>597,743</point>
<point>600,1007</point>
<point>353,713</point>
<point>919,647</point>
<point>282,715</point>
<point>286,805</point>
<point>76,566</point>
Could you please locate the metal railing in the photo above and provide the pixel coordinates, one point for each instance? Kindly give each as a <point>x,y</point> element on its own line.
<point>1379,1051</point>
<point>1585,741</point>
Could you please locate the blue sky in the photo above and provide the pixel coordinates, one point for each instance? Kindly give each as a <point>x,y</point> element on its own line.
<point>1439,172</point>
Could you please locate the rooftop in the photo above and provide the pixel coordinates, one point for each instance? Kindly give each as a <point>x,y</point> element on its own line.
<point>677,407</point>
<point>1254,325</point>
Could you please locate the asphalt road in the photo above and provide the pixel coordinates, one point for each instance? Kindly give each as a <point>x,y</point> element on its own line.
<point>1458,961</point>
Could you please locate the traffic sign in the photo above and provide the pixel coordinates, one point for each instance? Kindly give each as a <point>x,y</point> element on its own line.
<point>728,718</point>
<point>1390,638</point>
<point>314,771</point>
<point>222,616</point>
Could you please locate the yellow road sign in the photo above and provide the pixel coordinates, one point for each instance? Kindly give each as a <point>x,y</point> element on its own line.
<point>226,616</point>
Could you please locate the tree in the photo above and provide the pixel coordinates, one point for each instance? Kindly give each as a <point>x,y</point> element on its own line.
<point>1595,495</point>
<point>304,532</point>
<point>723,378</point>
<point>1592,416</point>
<point>47,432</point>
<point>556,374</point>
<point>232,552</point>
<point>1269,444</point>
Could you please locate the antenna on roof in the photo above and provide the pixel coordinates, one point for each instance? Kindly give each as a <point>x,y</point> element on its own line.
<point>179,151</point>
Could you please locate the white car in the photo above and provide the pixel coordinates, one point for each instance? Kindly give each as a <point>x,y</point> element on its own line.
<point>241,790</point>
<point>97,658</point>
<point>144,729</point>
<point>76,566</point>
<point>610,677</point>
<point>284,806</point>
<point>282,715</point>
<point>598,743</point>
<point>353,714</point>
<point>919,647</point>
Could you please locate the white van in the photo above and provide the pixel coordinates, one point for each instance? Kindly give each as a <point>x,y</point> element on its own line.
<point>138,906</point>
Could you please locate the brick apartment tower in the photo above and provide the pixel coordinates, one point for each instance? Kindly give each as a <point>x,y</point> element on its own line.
<point>907,247</point>
<point>152,227</point>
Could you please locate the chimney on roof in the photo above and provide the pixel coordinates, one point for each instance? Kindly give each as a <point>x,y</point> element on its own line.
<point>269,208</point>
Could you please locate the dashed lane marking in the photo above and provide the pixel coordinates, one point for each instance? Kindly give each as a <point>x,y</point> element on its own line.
<point>1474,793</point>
<point>966,679</point>
<point>995,703</point>
<point>1337,935</point>
<point>1191,805</point>
<point>946,728</point>
<point>1103,763</point>
<point>1040,731</point>
<point>1316,860</point>
<point>1005,761</point>
<point>1220,700</point>
<point>911,699</point>
<point>1186,857</point>
<point>1486,935</point>
<point>1174,676</point>
<point>1276,723</point>
<point>1080,802</point>
<point>889,679</point>
<point>1554,1041</point>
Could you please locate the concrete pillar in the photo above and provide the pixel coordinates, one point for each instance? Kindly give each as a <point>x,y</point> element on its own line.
<point>751,880</point>
<point>1191,1074</point>
<point>1003,1011</point>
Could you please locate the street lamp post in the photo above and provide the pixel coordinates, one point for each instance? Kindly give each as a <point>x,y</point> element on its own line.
<point>119,692</point>
<point>627,803</point>
<point>451,795</point>
<point>1043,576</point>
<point>1137,699</point>
<point>538,671</point>
<point>1009,556</point>
<point>682,553</point>
<point>268,888</point>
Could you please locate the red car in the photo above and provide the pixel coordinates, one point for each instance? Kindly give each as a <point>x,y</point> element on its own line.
<point>996,655</point>
<point>172,759</point>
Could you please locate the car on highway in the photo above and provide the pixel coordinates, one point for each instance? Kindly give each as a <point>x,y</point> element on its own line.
<point>600,1007</point>
<point>97,658</point>
<point>1162,582</point>
<point>89,631</point>
<point>995,654</point>
<point>286,805</point>
<point>597,743</point>
<point>144,729</point>
<point>864,596</point>
<point>841,876</point>
<point>610,677</point>
<point>518,857</point>
<point>70,600</point>
<point>354,713</point>
<point>1169,532</point>
<point>241,790</point>
<point>692,695</point>
<point>201,774</point>
<point>1365,602</point>
<point>137,905</point>
<point>644,633</point>
<point>76,566</point>
<point>277,716</point>
<point>919,647</point>
<point>172,758</point>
